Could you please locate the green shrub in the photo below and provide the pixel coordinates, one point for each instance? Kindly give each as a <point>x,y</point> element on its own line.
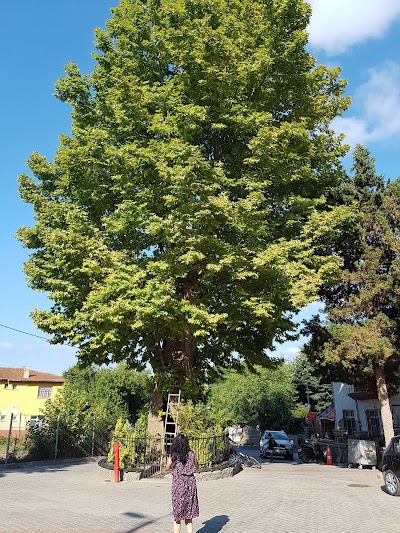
<point>207,437</point>
<point>132,441</point>
<point>16,450</point>
<point>40,443</point>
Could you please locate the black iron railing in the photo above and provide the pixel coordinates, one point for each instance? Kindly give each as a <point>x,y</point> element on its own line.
<point>149,455</point>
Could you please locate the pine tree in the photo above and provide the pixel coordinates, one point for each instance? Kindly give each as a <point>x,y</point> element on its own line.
<point>359,343</point>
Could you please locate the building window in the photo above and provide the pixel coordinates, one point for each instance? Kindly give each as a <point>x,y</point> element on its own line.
<point>3,418</point>
<point>44,392</point>
<point>6,385</point>
<point>14,386</point>
<point>396,417</point>
<point>374,422</point>
<point>349,422</point>
<point>36,420</point>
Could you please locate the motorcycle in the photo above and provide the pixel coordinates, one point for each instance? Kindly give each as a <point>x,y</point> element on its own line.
<point>312,451</point>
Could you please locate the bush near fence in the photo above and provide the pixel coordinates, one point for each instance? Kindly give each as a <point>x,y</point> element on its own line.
<point>138,452</point>
<point>43,442</point>
<point>16,449</point>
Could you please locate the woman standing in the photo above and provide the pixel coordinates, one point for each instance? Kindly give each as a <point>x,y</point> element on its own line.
<point>183,463</point>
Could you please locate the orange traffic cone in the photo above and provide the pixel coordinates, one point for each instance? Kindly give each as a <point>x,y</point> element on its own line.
<point>329,461</point>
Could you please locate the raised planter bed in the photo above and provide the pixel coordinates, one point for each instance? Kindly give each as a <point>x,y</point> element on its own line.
<point>219,471</point>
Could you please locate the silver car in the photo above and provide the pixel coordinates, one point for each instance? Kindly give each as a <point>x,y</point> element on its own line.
<point>284,447</point>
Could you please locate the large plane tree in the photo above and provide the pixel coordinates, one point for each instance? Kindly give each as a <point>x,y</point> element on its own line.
<point>167,228</point>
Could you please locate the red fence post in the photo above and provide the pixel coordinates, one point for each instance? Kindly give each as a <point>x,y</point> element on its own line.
<point>116,462</point>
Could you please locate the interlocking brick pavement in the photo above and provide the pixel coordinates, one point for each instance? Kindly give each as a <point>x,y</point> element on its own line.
<point>280,497</point>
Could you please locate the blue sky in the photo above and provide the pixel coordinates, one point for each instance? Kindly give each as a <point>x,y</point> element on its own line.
<point>40,38</point>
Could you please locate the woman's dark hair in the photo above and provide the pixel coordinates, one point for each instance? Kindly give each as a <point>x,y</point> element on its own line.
<point>180,448</point>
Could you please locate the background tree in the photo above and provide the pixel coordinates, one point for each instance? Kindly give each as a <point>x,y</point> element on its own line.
<point>265,397</point>
<point>89,404</point>
<point>168,226</point>
<point>103,393</point>
<point>359,343</point>
<point>312,388</point>
<point>117,392</point>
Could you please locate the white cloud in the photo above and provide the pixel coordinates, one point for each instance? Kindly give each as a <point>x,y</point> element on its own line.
<point>377,103</point>
<point>290,352</point>
<point>6,345</point>
<point>336,25</point>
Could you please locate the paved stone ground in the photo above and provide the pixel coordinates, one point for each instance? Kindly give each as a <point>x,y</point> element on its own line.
<point>281,497</point>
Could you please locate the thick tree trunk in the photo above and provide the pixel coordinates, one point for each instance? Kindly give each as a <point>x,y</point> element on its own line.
<point>155,423</point>
<point>387,420</point>
<point>180,356</point>
<point>175,358</point>
<point>175,365</point>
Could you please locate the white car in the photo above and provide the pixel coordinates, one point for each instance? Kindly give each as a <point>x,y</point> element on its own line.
<point>284,447</point>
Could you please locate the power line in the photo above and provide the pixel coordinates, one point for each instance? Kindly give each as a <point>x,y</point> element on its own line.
<point>25,332</point>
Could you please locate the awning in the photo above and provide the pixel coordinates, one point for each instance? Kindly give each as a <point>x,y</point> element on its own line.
<point>310,417</point>
<point>328,414</point>
<point>362,395</point>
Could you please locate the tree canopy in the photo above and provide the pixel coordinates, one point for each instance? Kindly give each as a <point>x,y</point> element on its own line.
<point>169,226</point>
<point>104,394</point>
<point>313,389</point>
<point>266,397</point>
<point>359,342</point>
<point>362,307</point>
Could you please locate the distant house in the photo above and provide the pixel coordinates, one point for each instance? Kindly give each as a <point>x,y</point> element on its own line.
<point>23,393</point>
<point>358,412</point>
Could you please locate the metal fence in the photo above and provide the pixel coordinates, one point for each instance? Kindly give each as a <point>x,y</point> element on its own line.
<point>61,441</point>
<point>145,455</point>
<point>148,456</point>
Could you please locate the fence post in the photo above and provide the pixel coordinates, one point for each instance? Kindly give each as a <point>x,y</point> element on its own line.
<point>57,433</point>
<point>9,438</point>
<point>93,437</point>
<point>116,462</point>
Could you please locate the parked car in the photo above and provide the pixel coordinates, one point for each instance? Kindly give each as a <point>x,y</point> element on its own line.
<point>391,467</point>
<point>284,446</point>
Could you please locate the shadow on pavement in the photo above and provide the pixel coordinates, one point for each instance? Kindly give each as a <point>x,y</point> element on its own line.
<point>147,521</point>
<point>214,525</point>
<point>16,468</point>
<point>384,489</point>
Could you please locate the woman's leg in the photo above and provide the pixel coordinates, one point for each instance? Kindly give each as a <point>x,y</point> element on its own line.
<point>189,525</point>
<point>177,526</point>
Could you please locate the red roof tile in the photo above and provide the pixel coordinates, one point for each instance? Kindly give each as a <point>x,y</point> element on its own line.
<point>17,374</point>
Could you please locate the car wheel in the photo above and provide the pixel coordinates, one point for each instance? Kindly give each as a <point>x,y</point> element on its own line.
<point>392,483</point>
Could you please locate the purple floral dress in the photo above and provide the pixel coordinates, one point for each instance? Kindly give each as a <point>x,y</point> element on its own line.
<point>184,490</point>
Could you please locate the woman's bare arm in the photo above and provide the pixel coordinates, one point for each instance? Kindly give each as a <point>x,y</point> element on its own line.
<point>169,463</point>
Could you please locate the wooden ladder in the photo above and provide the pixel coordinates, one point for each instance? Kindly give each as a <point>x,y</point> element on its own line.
<point>171,424</point>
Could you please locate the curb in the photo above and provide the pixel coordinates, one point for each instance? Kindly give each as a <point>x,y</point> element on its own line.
<point>108,475</point>
<point>51,462</point>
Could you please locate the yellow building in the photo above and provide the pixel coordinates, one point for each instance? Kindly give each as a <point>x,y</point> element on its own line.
<point>23,393</point>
